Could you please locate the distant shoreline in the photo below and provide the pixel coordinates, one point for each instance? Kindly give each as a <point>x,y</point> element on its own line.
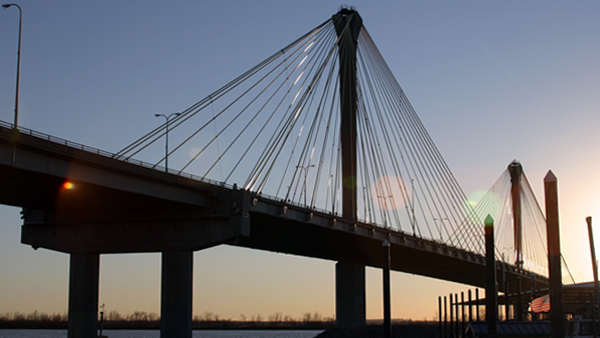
<point>199,325</point>
<point>155,325</point>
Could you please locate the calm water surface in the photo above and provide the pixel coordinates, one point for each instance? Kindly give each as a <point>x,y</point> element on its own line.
<point>156,333</point>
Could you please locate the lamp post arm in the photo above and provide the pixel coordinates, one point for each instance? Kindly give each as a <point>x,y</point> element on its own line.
<point>167,119</point>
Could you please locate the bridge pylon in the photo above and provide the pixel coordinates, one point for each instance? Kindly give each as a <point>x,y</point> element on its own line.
<point>349,272</point>
<point>516,171</point>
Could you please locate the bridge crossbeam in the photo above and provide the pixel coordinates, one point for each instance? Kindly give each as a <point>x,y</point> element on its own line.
<point>135,237</point>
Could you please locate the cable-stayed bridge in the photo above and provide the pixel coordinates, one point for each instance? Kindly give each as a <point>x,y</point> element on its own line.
<point>316,151</point>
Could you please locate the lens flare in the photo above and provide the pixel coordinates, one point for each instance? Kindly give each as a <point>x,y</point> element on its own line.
<point>350,182</point>
<point>194,152</point>
<point>475,197</point>
<point>68,185</point>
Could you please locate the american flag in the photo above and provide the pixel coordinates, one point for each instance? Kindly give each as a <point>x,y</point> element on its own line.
<point>540,304</point>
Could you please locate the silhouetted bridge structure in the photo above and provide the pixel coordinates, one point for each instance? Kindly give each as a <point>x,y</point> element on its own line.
<point>120,207</point>
<point>87,202</point>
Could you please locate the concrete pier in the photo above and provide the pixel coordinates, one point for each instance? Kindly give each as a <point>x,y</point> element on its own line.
<point>350,293</point>
<point>83,295</point>
<point>176,294</point>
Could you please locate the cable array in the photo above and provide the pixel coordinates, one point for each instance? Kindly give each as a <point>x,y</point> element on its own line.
<point>275,130</point>
<point>497,202</point>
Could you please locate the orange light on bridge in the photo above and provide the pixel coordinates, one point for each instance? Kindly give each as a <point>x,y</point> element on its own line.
<point>68,185</point>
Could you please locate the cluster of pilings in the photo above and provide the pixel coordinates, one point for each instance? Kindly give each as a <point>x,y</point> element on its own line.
<point>454,322</point>
<point>454,315</point>
<point>457,310</point>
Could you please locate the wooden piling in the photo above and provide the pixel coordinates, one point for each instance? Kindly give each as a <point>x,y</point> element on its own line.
<point>554,260</point>
<point>440,327</point>
<point>387,307</point>
<point>445,317</point>
<point>470,307</point>
<point>477,303</point>
<point>491,291</point>
<point>595,271</point>
<point>451,315</point>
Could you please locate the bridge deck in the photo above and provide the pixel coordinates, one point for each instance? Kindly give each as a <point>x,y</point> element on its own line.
<point>143,206</point>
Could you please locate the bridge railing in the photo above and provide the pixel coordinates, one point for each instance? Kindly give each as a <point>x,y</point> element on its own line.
<point>76,145</point>
<point>55,139</point>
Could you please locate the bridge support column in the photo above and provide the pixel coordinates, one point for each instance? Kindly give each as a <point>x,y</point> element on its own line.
<point>350,293</point>
<point>176,294</point>
<point>83,295</point>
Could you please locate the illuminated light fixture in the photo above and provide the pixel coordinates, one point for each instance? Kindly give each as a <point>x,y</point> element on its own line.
<point>68,185</point>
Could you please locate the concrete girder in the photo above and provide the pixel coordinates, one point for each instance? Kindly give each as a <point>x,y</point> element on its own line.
<point>147,236</point>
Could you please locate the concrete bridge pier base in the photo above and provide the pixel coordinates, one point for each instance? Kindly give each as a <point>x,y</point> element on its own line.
<point>83,295</point>
<point>176,294</point>
<point>350,293</point>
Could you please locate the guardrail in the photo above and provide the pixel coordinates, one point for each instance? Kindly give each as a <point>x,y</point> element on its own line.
<point>79,146</point>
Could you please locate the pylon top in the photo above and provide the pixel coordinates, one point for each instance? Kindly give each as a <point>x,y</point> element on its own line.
<point>516,170</point>
<point>345,15</point>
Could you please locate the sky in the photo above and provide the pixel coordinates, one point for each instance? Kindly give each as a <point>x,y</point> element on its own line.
<point>492,81</point>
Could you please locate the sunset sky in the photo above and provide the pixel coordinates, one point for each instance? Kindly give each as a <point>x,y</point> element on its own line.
<point>493,81</point>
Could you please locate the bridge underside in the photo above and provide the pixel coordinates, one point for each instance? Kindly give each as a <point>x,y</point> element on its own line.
<point>292,237</point>
<point>340,241</point>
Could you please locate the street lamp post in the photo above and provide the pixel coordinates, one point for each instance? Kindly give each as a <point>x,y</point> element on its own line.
<point>167,118</point>
<point>384,207</point>
<point>305,176</point>
<point>18,64</point>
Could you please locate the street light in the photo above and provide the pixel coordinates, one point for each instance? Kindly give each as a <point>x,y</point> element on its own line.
<point>305,175</point>
<point>168,118</point>
<point>18,63</point>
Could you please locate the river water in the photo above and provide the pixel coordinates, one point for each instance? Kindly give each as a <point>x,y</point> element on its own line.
<point>4,333</point>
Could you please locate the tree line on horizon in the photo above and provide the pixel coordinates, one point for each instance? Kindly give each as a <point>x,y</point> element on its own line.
<point>150,320</point>
<point>207,320</point>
